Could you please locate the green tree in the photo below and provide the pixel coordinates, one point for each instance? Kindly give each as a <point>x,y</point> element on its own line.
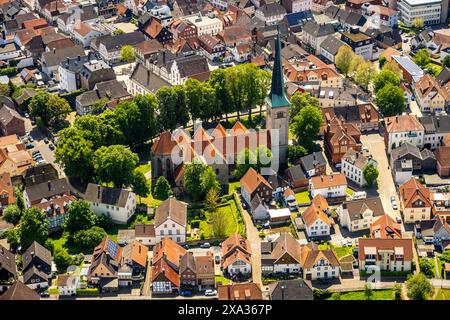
<point>365,74</point>
<point>246,159</point>
<point>393,66</point>
<point>218,81</point>
<point>162,189</point>
<point>446,256</point>
<point>88,239</point>
<point>139,184</point>
<point>219,224</point>
<point>127,54</point>
<point>49,109</point>
<point>385,77</point>
<point>115,164</point>
<point>419,287</point>
<point>62,259</point>
<point>370,174</point>
<point>446,61</point>
<point>381,61</point>
<point>368,291</point>
<point>12,214</point>
<point>336,296</point>
<point>427,267</point>
<point>117,32</point>
<point>306,125</point>
<point>397,291</point>
<point>418,23</point>
<point>167,108</point>
<point>356,62</point>
<point>300,100</point>
<point>12,236</point>
<point>422,57</point>
<point>79,217</point>
<point>18,193</point>
<point>33,226</point>
<point>193,179</point>
<point>390,100</point>
<point>75,154</point>
<point>99,106</point>
<point>208,181</point>
<point>295,152</point>
<point>182,113</point>
<point>212,200</point>
<point>344,59</point>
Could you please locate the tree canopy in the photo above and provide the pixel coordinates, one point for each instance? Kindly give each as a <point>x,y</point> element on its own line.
<point>33,226</point>
<point>49,109</point>
<point>385,77</point>
<point>306,125</point>
<point>390,100</point>
<point>79,217</point>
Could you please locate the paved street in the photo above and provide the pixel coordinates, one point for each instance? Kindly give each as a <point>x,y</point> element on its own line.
<point>255,242</point>
<point>386,185</point>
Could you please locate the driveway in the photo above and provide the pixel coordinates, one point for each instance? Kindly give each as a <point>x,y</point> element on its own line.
<point>386,186</point>
<point>255,242</point>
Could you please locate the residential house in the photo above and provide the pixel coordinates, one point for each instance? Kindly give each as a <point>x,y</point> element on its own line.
<point>181,69</point>
<point>340,137</point>
<point>357,215</point>
<point>317,218</point>
<point>67,284</point>
<point>205,271</point>
<point>154,29</point>
<point>430,96</point>
<point>319,264</point>
<point>181,29</point>
<point>295,289</point>
<point>259,209</point>
<point>233,35</point>
<point>7,196</point>
<point>360,43</point>
<point>145,234</point>
<point>205,24</point>
<point>38,193</point>
<point>37,266</point>
<point>393,255</point>
<point>70,73</point>
<point>282,256</point>
<point>171,220</point>
<point>422,161</point>
<point>401,129</point>
<point>378,15</point>
<point>109,46</point>
<point>314,164</point>
<point>433,231</point>
<point>188,272</point>
<point>353,165</point>
<point>55,210</point>
<point>296,20</point>
<point>436,128</point>
<point>271,13</point>
<point>252,183</point>
<point>146,49</point>
<point>329,48</point>
<point>329,186</point>
<point>443,161</point>
<point>324,75</point>
<point>9,51</point>
<point>402,171</point>
<point>293,6</point>
<point>84,33</point>
<point>297,178</point>
<point>112,90</point>
<point>240,291</point>
<point>211,47</point>
<point>385,227</point>
<point>364,116</point>
<point>11,122</point>
<point>416,201</point>
<point>242,52</point>
<point>51,60</point>
<point>144,81</point>
<point>236,256</point>
<point>166,266</point>
<point>119,204</point>
<point>314,34</point>
<point>95,71</point>
<point>8,267</point>
<point>133,263</point>
<point>14,158</point>
<point>19,291</point>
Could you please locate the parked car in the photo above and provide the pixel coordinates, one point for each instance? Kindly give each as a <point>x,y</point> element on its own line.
<point>45,140</point>
<point>29,146</point>
<point>186,293</point>
<point>26,115</point>
<point>30,138</point>
<point>205,245</point>
<point>51,146</point>
<point>41,161</point>
<point>217,259</point>
<point>210,292</point>
<point>45,294</point>
<point>398,219</point>
<point>186,246</point>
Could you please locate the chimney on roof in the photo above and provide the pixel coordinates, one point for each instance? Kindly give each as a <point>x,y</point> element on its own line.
<point>98,192</point>
<point>54,50</point>
<point>79,58</point>
<point>49,184</point>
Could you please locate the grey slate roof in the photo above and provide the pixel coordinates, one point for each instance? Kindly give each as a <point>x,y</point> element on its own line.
<point>191,65</point>
<point>114,43</point>
<point>53,58</point>
<point>38,251</point>
<point>435,124</point>
<point>47,189</point>
<point>408,148</point>
<point>310,161</point>
<point>8,261</point>
<point>111,196</point>
<point>147,78</point>
<point>296,289</point>
<point>356,208</point>
<point>34,271</point>
<point>111,89</point>
<point>19,291</point>
<point>272,9</point>
<point>7,115</point>
<point>443,77</point>
<point>331,44</point>
<point>318,30</point>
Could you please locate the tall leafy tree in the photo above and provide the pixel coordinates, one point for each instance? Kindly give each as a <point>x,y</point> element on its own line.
<point>79,217</point>
<point>370,174</point>
<point>419,287</point>
<point>49,109</point>
<point>390,100</point>
<point>422,57</point>
<point>208,181</point>
<point>12,214</point>
<point>344,59</point>
<point>218,81</point>
<point>246,159</point>
<point>115,164</point>
<point>147,123</point>
<point>167,102</point>
<point>383,78</point>
<point>306,125</point>
<point>162,189</point>
<point>33,226</point>
<point>182,112</point>
<point>140,184</point>
<point>75,154</point>
<point>300,100</point>
<point>127,54</point>
<point>365,74</point>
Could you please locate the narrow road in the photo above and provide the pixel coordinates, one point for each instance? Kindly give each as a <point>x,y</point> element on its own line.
<point>255,242</point>
<point>436,265</point>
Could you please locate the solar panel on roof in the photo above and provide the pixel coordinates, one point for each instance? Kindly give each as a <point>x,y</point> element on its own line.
<point>112,248</point>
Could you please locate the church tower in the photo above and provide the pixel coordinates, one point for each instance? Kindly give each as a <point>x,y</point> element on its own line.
<point>277,109</point>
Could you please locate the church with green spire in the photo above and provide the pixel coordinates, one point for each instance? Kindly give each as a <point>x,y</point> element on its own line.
<point>277,108</point>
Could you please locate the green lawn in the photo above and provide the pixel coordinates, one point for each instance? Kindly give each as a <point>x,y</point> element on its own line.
<point>222,279</point>
<point>442,294</point>
<point>359,295</point>
<point>230,213</point>
<point>340,251</point>
<point>233,186</point>
<point>145,168</point>
<point>302,197</point>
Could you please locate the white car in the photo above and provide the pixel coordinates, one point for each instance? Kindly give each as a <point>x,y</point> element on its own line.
<point>211,293</point>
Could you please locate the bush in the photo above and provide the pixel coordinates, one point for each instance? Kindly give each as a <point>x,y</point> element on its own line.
<point>87,292</point>
<point>321,294</point>
<point>195,223</point>
<point>8,71</point>
<point>88,239</point>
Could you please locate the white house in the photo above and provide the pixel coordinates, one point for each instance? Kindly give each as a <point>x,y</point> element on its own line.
<point>67,284</point>
<point>236,255</point>
<point>401,129</point>
<point>353,164</point>
<point>69,73</point>
<point>119,204</point>
<point>329,186</point>
<point>271,13</point>
<point>282,256</point>
<point>9,51</point>
<point>358,215</point>
<point>171,220</point>
<point>219,4</point>
<point>145,234</point>
<point>84,33</point>
<point>317,218</point>
<point>319,264</point>
<point>206,24</point>
<point>380,15</point>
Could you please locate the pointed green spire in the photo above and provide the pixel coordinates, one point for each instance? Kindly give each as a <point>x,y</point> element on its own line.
<point>277,95</point>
